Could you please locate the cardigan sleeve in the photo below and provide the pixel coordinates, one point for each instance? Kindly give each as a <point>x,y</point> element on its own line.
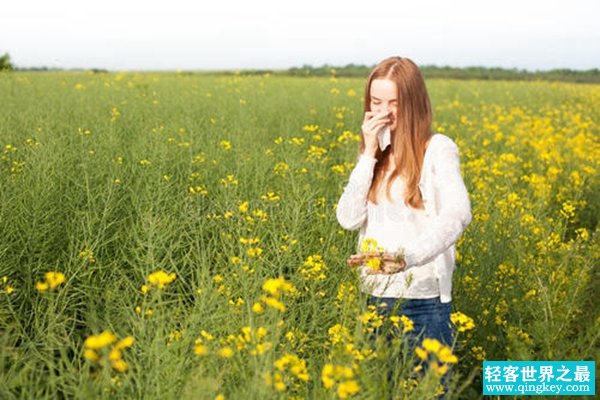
<point>351,210</point>
<point>454,209</point>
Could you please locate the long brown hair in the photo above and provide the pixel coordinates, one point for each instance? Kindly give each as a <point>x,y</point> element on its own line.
<point>413,129</point>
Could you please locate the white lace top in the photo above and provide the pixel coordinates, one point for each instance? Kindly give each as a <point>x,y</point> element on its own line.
<point>426,236</point>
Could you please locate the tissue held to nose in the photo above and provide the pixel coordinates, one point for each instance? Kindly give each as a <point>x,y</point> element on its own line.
<point>384,137</point>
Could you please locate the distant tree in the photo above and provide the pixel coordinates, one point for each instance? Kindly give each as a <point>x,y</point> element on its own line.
<point>5,64</point>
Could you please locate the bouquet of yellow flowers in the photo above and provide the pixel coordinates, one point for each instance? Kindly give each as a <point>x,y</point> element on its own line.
<point>377,259</point>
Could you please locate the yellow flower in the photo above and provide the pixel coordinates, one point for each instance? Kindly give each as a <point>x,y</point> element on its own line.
<point>91,355</point>
<point>225,144</point>
<point>254,251</point>
<point>343,376</point>
<point>160,279</point>
<point>200,350</point>
<point>114,114</point>
<point>294,364</point>
<point>88,255</point>
<point>347,389</point>
<point>257,308</point>
<point>115,354</point>
<point>422,354</point>
<point>54,278</point>
<point>244,240</point>
<point>407,323</point>
<point>270,196</point>
<point>125,343</point>
<point>463,322</point>
<point>310,128</point>
<point>374,263</point>
<point>432,346</point>
<point>229,180</point>
<point>119,365</point>
<point>41,286</point>
<point>314,268</point>
<point>327,376</point>
<point>273,302</point>
<point>338,334</point>
<point>281,168</point>
<point>479,352</point>
<point>206,335</point>
<point>439,369</point>
<point>315,153</point>
<point>275,286</point>
<point>445,355</point>
<point>97,342</point>
<point>226,352</point>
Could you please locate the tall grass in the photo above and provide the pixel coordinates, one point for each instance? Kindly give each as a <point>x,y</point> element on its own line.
<point>108,178</point>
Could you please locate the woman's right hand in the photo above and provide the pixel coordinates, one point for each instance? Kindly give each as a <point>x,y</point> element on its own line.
<point>390,262</point>
<point>373,122</point>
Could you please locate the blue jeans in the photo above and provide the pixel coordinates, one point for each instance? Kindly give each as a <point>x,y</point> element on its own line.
<point>431,319</point>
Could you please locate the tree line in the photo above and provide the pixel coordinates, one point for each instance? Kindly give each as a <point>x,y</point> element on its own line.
<point>362,71</point>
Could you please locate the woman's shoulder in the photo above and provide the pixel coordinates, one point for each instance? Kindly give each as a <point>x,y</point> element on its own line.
<point>440,141</point>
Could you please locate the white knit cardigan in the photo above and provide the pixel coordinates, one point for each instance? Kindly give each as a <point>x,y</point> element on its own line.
<point>446,203</point>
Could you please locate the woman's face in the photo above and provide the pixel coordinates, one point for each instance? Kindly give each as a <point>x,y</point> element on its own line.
<point>384,96</point>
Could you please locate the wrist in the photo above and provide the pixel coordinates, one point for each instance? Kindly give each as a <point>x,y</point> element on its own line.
<point>369,153</point>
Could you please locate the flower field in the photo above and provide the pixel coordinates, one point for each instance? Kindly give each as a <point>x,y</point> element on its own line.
<point>173,235</point>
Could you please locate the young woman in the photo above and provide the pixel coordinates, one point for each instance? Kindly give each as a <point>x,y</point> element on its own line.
<point>410,198</point>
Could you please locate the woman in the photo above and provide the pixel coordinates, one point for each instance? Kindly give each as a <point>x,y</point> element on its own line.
<point>410,198</point>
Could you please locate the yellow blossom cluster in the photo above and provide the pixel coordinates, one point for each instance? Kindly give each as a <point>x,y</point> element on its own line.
<point>375,252</point>
<point>52,281</point>
<point>159,279</point>
<point>200,343</point>
<point>370,319</point>
<point>313,269</point>
<point>346,295</point>
<point>87,255</point>
<point>342,344</point>
<point>275,288</point>
<point>315,153</point>
<point>225,144</point>
<point>270,197</point>
<point>8,289</point>
<point>290,371</point>
<point>407,323</point>
<point>341,379</point>
<point>443,355</point>
<point>96,344</point>
<point>250,340</point>
<point>463,323</point>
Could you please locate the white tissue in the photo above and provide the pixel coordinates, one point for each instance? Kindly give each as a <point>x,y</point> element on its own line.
<point>384,137</point>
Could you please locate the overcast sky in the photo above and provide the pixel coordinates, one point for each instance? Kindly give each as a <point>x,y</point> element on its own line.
<point>228,34</point>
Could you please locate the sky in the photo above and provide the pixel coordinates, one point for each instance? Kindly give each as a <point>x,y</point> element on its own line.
<point>268,34</point>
